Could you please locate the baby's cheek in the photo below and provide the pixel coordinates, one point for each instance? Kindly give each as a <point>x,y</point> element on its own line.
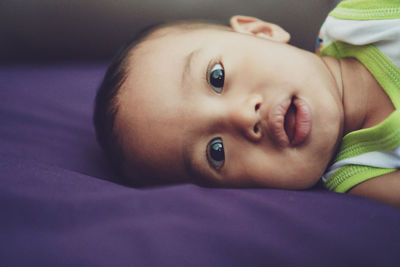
<point>249,167</point>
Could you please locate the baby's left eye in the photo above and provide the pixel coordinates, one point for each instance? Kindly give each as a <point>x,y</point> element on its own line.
<point>215,153</point>
<point>216,78</point>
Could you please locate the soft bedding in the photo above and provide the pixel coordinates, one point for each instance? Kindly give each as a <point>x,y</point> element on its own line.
<point>60,207</point>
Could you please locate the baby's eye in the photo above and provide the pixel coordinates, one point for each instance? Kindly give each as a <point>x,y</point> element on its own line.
<point>216,78</point>
<point>215,153</point>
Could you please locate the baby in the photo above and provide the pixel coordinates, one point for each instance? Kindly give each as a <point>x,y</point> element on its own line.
<point>238,106</point>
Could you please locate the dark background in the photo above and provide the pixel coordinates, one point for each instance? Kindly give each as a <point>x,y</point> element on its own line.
<point>81,30</point>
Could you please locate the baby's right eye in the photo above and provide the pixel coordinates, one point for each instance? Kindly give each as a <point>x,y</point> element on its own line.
<point>215,153</point>
<point>216,77</point>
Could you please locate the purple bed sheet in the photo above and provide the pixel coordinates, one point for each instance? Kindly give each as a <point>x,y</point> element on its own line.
<point>59,206</point>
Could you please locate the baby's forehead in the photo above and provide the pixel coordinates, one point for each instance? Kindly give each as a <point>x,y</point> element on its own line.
<point>151,47</point>
<point>150,94</point>
<point>157,65</point>
<point>160,57</point>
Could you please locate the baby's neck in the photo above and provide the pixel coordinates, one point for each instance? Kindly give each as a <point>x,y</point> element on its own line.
<point>365,103</point>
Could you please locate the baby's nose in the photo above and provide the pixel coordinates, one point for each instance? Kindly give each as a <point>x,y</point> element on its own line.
<point>246,119</point>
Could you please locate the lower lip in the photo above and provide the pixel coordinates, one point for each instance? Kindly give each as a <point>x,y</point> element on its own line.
<point>303,121</point>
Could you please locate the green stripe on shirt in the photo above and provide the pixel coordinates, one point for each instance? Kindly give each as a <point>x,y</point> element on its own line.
<point>367,10</point>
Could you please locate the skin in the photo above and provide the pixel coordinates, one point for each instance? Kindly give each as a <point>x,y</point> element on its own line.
<point>169,113</point>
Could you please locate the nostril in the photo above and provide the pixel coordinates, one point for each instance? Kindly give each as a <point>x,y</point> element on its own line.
<point>255,128</point>
<point>257,107</point>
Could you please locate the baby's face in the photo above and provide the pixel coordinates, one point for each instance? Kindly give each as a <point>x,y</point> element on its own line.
<point>231,109</point>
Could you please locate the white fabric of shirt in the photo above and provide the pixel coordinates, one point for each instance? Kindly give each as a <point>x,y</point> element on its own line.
<point>383,34</point>
<point>390,159</point>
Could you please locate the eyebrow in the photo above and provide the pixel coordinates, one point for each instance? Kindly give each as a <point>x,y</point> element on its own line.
<point>187,68</point>
<point>195,169</point>
<point>188,149</point>
<point>189,163</point>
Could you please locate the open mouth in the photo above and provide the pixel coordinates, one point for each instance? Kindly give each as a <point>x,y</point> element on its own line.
<point>290,121</point>
<point>297,122</point>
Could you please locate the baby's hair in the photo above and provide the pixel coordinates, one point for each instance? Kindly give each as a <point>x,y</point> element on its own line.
<point>106,101</point>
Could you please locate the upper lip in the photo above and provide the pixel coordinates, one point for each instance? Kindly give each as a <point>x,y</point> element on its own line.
<point>276,121</point>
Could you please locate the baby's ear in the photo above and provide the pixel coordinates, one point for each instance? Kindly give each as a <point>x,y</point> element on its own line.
<point>259,28</point>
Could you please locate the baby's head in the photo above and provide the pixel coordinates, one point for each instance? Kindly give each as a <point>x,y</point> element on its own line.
<point>219,105</point>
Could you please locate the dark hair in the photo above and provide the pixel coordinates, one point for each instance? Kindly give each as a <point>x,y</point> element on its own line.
<point>106,104</point>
